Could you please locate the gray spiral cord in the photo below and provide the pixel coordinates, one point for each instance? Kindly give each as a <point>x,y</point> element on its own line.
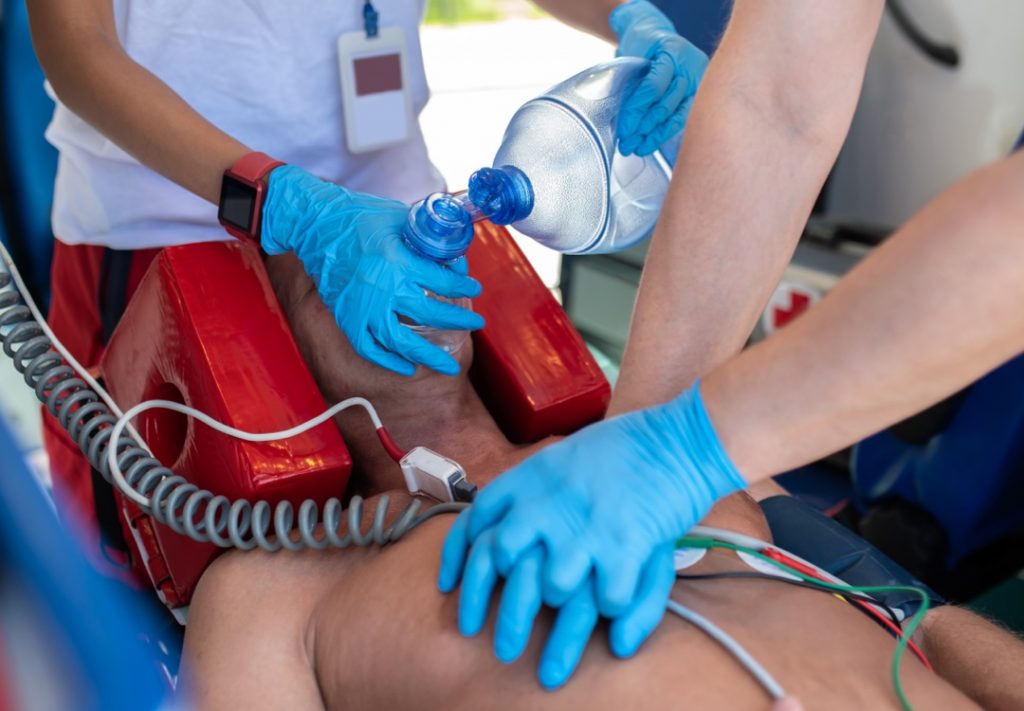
<point>186,508</point>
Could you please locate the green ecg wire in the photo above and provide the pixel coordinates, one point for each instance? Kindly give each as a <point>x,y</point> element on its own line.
<point>901,645</point>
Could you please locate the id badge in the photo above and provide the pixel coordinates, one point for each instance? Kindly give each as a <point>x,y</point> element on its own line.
<point>375,90</point>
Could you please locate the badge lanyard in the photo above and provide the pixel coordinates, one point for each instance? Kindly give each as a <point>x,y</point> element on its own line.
<point>371,19</point>
<point>375,89</point>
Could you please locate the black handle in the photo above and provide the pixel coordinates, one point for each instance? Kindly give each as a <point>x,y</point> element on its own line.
<point>944,54</point>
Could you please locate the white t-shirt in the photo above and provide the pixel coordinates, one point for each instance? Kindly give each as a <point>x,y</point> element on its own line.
<point>263,71</point>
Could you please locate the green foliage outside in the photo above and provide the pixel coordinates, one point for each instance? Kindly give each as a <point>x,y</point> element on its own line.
<point>452,12</point>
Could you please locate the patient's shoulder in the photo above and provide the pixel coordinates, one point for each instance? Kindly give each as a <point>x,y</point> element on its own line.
<point>248,622</point>
<point>256,581</point>
<point>740,513</point>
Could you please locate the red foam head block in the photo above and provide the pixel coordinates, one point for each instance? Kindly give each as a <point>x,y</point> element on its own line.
<point>205,328</point>
<point>531,367</point>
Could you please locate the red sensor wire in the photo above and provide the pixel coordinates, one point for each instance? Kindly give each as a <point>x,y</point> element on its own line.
<point>389,445</point>
<point>796,565</point>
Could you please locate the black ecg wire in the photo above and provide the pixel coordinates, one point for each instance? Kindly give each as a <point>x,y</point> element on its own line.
<point>798,583</point>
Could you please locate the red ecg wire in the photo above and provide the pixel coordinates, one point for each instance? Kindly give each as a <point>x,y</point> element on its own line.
<point>796,565</point>
<point>389,445</point>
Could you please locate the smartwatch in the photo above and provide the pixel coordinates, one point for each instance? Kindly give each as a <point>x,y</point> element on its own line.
<point>242,192</point>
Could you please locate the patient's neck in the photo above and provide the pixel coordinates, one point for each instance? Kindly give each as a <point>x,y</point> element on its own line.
<point>442,413</point>
<point>427,409</point>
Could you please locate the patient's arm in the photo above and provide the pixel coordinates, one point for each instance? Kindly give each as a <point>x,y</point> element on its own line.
<point>245,655</point>
<point>251,631</point>
<point>981,659</point>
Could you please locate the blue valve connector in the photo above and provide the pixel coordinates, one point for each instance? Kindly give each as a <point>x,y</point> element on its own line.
<point>440,227</point>
<point>503,194</point>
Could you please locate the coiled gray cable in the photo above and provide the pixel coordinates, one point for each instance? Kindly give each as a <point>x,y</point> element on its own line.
<point>186,508</point>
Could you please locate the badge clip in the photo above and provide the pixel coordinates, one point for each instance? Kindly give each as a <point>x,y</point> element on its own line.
<point>371,19</point>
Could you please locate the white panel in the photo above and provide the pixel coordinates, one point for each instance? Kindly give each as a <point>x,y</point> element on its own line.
<point>921,126</point>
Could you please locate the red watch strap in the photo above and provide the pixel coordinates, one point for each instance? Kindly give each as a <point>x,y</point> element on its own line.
<point>254,166</point>
<point>250,169</point>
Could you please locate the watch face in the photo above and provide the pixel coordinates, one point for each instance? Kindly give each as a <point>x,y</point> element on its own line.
<point>237,203</point>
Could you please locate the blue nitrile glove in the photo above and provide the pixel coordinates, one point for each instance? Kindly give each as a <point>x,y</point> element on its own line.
<point>657,109</point>
<point>589,525</point>
<point>351,245</point>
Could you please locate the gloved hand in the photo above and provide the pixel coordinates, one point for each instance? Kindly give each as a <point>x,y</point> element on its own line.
<point>658,107</point>
<point>589,525</point>
<point>351,245</point>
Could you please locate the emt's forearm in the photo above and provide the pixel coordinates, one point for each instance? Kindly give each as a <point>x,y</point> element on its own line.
<point>766,126</point>
<point>977,657</point>
<point>587,15</point>
<point>82,56</point>
<point>930,311</point>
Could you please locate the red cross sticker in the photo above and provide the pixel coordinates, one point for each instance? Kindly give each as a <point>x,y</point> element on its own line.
<point>789,301</point>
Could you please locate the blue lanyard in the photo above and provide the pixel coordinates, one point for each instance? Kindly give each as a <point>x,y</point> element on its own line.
<point>370,19</point>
